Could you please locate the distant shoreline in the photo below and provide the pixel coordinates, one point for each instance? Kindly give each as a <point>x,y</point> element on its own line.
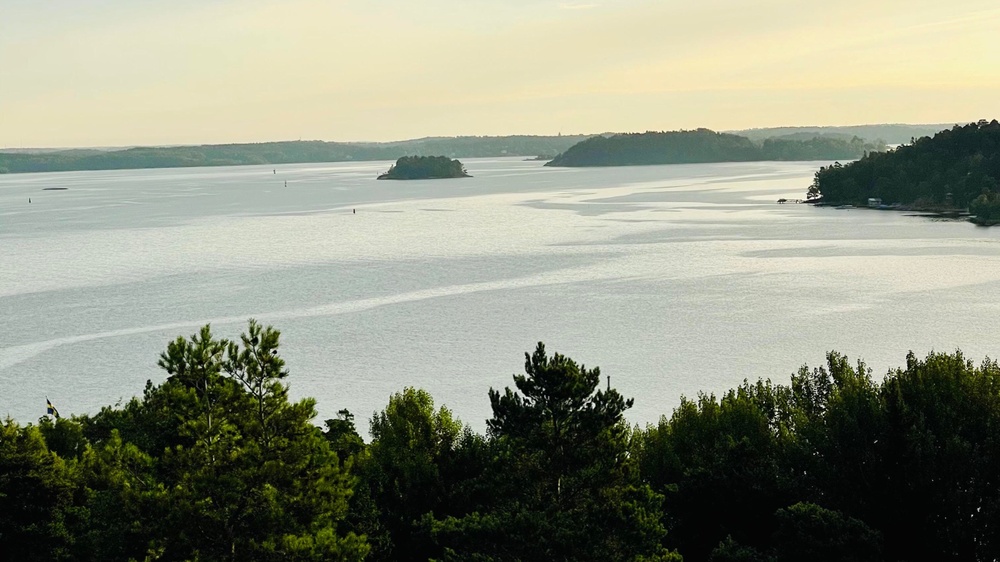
<point>538,147</point>
<point>278,153</point>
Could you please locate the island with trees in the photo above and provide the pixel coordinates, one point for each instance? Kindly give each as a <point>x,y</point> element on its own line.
<point>218,463</point>
<point>704,146</point>
<point>957,168</point>
<point>425,168</point>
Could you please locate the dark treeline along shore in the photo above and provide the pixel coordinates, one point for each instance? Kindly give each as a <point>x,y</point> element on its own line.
<point>957,168</point>
<point>704,145</point>
<point>290,152</point>
<point>216,463</point>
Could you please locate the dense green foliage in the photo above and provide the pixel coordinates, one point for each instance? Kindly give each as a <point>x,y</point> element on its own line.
<point>913,460</point>
<point>216,463</point>
<point>560,482</point>
<point>280,153</point>
<point>951,169</point>
<point>986,208</point>
<point>703,145</point>
<point>424,168</point>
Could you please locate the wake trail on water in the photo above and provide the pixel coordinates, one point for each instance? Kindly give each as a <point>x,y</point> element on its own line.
<point>11,356</point>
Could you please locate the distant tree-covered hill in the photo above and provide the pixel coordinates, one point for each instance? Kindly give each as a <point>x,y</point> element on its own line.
<point>425,168</point>
<point>704,145</point>
<point>952,169</point>
<point>674,147</point>
<point>281,153</point>
<point>818,148</point>
<point>889,133</point>
<point>802,136</point>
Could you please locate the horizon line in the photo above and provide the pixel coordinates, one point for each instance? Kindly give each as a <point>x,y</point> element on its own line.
<point>112,148</point>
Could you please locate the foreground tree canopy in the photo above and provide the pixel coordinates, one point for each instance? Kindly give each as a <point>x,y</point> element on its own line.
<point>703,145</point>
<point>216,463</point>
<point>953,168</point>
<point>424,168</point>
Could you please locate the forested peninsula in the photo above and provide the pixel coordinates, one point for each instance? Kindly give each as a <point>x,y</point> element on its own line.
<point>291,152</point>
<point>216,463</point>
<point>704,146</point>
<point>425,168</point>
<point>955,169</point>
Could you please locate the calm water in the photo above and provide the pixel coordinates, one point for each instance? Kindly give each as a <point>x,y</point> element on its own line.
<point>673,279</point>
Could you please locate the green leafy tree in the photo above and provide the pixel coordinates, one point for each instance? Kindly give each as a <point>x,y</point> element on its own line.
<point>722,465</point>
<point>839,433</point>
<point>403,475</point>
<point>243,474</point>
<point>761,447</point>
<point>942,477</point>
<point>731,551</point>
<point>563,484</point>
<point>986,208</point>
<point>63,436</point>
<point>344,437</point>
<point>809,532</point>
<point>124,503</point>
<point>36,493</point>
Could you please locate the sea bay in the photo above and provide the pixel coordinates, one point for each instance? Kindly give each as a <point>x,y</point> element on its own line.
<point>673,279</point>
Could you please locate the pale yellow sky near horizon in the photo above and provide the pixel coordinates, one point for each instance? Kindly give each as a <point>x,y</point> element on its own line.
<point>132,72</point>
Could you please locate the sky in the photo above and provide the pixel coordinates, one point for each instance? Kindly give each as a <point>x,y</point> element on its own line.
<point>151,72</point>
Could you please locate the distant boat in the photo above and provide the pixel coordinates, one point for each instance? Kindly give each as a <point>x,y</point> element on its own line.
<point>844,207</point>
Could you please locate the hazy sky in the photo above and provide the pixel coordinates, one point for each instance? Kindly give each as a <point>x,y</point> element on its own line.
<point>122,72</point>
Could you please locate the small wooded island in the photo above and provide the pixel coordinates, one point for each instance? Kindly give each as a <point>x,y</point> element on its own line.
<point>705,146</point>
<point>425,168</point>
<point>954,170</point>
